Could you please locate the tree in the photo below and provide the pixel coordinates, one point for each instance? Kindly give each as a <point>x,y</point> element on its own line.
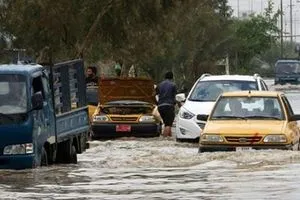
<point>254,36</point>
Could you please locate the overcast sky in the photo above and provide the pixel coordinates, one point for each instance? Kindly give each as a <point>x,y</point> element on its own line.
<point>257,6</point>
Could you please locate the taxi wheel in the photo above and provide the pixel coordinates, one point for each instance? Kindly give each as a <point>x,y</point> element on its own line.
<point>200,150</point>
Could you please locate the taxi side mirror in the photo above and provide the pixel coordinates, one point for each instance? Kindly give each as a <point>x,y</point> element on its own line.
<point>294,118</point>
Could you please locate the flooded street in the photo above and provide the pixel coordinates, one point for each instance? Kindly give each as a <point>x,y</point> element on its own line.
<point>159,168</point>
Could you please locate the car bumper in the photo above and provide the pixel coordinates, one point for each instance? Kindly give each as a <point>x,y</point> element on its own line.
<point>211,148</point>
<point>17,161</point>
<point>287,80</point>
<point>137,130</point>
<point>187,129</point>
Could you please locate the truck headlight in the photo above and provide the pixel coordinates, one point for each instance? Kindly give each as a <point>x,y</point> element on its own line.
<point>185,114</point>
<point>211,138</point>
<point>98,118</point>
<point>18,149</point>
<point>275,139</point>
<point>147,118</point>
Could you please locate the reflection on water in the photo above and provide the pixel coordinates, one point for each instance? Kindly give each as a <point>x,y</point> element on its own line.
<point>160,168</point>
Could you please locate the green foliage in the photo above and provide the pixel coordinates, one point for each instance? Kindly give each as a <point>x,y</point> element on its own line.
<point>186,36</point>
<point>254,36</point>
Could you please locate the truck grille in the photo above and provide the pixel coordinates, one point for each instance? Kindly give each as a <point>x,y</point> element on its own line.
<point>124,119</point>
<point>241,139</point>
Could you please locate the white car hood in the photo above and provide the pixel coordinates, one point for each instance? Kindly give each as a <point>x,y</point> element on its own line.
<point>196,107</point>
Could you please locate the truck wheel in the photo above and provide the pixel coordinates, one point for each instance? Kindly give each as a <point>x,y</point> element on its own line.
<point>44,157</point>
<point>73,155</point>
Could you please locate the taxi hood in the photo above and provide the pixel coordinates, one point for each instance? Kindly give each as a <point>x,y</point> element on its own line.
<point>127,88</point>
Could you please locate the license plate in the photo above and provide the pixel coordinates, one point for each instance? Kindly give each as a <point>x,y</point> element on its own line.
<point>123,128</point>
<point>243,148</point>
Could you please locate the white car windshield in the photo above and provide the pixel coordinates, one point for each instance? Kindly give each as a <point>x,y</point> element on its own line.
<point>248,108</point>
<point>13,96</point>
<point>210,90</point>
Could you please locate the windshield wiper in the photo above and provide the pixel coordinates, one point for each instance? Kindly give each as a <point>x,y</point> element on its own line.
<point>200,100</point>
<point>228,117</point>
<point>262,117</point>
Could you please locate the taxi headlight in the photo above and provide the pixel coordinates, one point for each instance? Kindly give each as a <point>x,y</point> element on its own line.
<point>275,139</point>
<point>147,118</point>
<point>98,118</point>
<point>211,138</point>
<point>18,149</point>
<point>185,114</point>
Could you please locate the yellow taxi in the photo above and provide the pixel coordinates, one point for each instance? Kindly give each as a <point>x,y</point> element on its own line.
<point>126,108</point>
<point>248,120</point>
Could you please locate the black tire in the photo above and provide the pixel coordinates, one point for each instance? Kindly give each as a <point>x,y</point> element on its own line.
<point>44,157</point>
<point>200,150</point>
<point>73,155</point>
<point>159,132</point>
<point>83,143</point>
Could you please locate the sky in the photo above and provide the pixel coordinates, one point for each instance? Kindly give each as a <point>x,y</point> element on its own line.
<point>257,6</point>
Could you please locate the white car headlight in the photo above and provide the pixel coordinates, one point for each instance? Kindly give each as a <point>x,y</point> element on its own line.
<point>98,118</point>
<point>275,139</point>
<point>185,114</point>
<point>147,118</point>
<point>211,138</point>
<point>18,149</point>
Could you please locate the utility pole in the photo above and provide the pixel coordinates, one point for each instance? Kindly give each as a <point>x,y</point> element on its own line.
<point>291,20</point>
<point>238,8</point>
<point>281,29</point>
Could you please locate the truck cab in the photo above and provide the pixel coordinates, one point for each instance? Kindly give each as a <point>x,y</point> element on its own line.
<point>287,71</point>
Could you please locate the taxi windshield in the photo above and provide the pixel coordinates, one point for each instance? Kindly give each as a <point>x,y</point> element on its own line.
<point>248,108</point>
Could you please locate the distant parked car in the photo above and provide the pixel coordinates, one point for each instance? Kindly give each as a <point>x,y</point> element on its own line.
<point>202,97</point>
<point>248,120</point>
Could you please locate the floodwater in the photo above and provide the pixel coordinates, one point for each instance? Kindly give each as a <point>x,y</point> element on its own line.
<point>159,168</point>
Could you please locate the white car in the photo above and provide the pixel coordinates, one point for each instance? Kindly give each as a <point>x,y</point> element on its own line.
<point>202,97</point>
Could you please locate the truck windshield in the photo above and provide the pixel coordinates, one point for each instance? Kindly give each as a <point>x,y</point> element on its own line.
<point>288,68</point>
<point>13,96</point>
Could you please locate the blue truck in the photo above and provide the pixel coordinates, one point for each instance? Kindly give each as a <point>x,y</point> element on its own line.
<point>287,71</point>
<point>43,114</point>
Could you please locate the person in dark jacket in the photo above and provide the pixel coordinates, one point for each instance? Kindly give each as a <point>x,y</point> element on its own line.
<point>91,76</point>
<point>166,91</point>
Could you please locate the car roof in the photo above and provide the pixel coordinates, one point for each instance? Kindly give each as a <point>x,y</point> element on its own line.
<point>252,93</point>
<point>287,61</point>
<point>21,68</point>
<point>229,77</point>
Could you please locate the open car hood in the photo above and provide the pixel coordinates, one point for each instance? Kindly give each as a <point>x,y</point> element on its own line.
<point>116,89</point>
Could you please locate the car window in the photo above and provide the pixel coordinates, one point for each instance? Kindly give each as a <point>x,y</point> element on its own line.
<point>288,106</point>
<point>248,107</point>
<point>210,90</point>
<point>287,67</point>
